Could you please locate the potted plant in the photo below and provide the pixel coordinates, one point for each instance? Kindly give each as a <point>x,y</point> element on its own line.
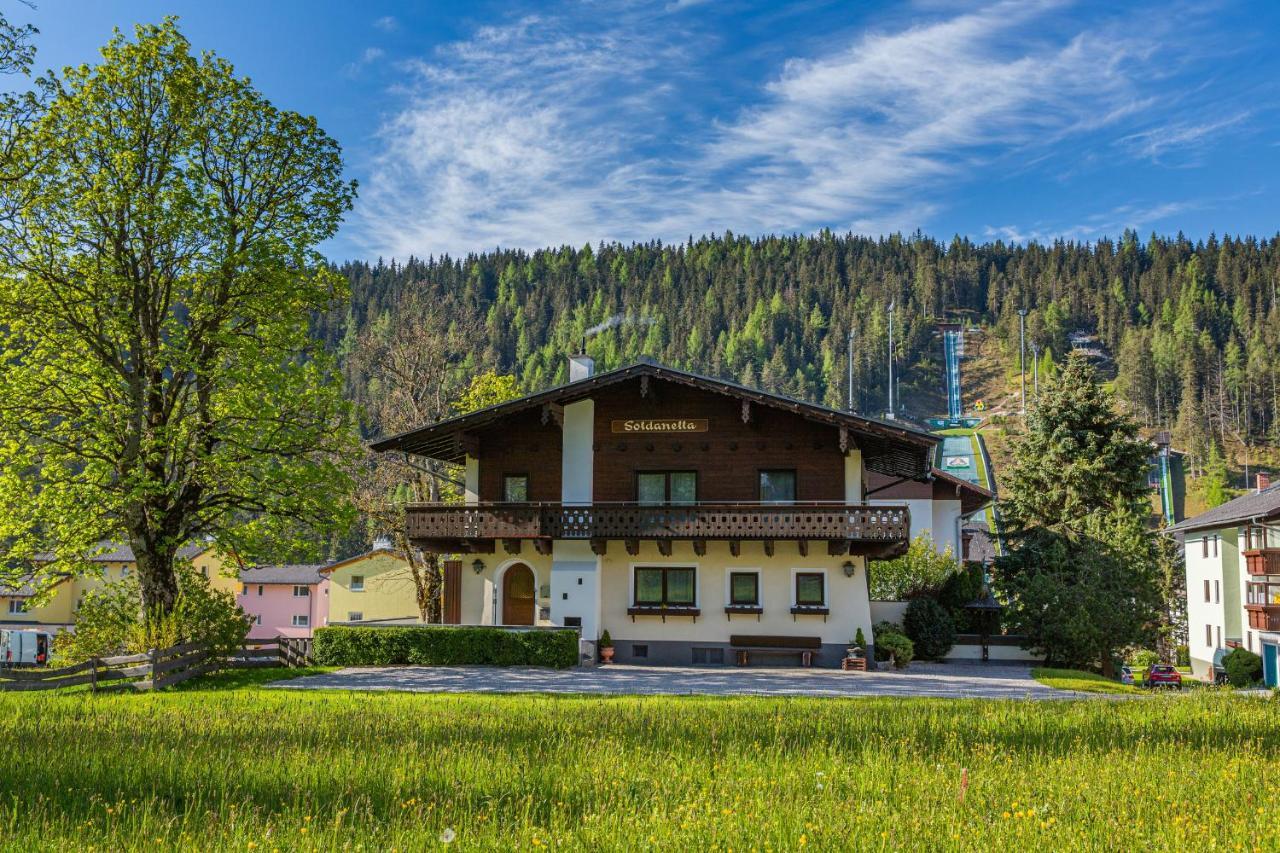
<point>606,647</point>
<point>856,650</point>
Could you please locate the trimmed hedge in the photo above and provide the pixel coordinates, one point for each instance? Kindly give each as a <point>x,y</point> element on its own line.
<point>432,646</point>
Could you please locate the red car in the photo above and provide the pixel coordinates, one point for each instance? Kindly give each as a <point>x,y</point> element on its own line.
<point>1163,675</point>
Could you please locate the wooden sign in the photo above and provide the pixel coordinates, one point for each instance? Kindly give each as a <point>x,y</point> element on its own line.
<point>650,425</point>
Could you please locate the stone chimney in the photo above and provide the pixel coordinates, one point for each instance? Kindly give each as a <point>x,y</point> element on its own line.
<point>581,366</point>
<point>1264,480</point>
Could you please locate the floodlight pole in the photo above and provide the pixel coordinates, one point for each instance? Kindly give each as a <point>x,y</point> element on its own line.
<point>1022,355</point>
<point>890,413</point>
<point>850,398</point>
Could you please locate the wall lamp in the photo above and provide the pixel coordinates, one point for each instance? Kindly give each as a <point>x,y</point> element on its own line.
<point>849,568</point>
<point>477,566</point>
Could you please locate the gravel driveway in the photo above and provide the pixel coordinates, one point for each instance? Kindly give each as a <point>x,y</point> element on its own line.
<point>957,680</point>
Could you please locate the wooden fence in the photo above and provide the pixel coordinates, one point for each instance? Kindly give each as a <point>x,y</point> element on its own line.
<point>158,668</point>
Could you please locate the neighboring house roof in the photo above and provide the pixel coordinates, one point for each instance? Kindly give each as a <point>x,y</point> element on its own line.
<point>28,587</point>
<point>294,574</point>
<point>972,496</point>
<point>1254,505</point>
<point>982,547</point>
<point>888,446</point>
<point>122,552</point>
<point>337,564</point>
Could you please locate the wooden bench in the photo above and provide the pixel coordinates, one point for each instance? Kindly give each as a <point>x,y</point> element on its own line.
<point>747,646</point>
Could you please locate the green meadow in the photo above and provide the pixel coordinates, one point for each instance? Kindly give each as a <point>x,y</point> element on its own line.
<point>259,769</point>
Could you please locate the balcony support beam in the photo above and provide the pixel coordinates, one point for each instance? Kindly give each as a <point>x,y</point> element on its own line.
<point>803,545</point>
<point>768,547</point>
<point>735,547</point>
<point>837,547</point>
<point>542,546</point>
<point>512,546</point>
<point>633,547</point>
<point>700,547</point>
<point>599,547</point>
<point>664,547</point>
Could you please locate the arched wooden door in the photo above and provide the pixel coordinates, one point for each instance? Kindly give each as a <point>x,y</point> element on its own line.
<point>518,597</point>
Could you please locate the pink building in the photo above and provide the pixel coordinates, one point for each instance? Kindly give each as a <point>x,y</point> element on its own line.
<point>284,601</point>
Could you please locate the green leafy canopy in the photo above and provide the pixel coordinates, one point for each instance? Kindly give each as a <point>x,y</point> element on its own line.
<point>157,275</point>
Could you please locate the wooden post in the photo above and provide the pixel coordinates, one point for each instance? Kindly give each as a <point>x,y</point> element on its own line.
<point>93,675</point>
<point>155,660</point>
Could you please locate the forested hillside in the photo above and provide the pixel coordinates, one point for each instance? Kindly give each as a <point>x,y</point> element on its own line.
<point>1195,326</point>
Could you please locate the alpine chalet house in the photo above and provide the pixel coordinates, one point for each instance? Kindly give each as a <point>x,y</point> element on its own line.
<point>696,520</point>
<point>1232,555</point>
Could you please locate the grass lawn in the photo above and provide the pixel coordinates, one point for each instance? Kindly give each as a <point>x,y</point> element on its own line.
<point>1084,682</point>
<point>254,768</point>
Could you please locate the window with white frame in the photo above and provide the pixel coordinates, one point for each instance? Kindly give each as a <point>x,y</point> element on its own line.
<point>743,588</point>
<point>301,620</point>
<point>301,590</point>
<point>124,571</point>
<point>355,616</point>
<point>17,605</point>
<point>809,588</point>
<point>357,583</point>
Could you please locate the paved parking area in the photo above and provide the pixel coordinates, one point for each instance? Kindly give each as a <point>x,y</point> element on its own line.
<point>957,680</point>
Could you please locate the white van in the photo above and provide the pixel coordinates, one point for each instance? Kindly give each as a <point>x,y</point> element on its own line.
<point>25,648</point>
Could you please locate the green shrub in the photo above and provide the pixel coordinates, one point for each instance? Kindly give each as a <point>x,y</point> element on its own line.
<point>963,588</point>
<point>606,642</point>
<point>1184,656</point>
<point>1243,667</point>
<point>898,645</point>
<point>432,646</point>
<point>110,620</point>
<point>860,639</point>
<point>1143,658</point>
<point>930,628</point>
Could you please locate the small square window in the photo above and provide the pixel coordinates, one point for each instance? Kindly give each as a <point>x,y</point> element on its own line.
<point>357,583</point>
<point>810,589</point>
<point>259,589</point>
<point>777,487</point>
<point>301,591</point>
<point>301,620</point>
<point>257,620</point>
<point>355,616</point>
<point>744,589</point>
<point>640,650</point>
<point>515,488</point>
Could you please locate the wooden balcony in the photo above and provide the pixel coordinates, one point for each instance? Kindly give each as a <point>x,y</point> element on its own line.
<point>1264,617</point>
<point>1262,561</point>
<point>878,531</point>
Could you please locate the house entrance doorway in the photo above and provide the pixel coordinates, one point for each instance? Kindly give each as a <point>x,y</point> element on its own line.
<point>518,598</point>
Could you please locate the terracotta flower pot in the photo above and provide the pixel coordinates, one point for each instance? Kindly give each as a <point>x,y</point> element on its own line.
<point>606,654</point>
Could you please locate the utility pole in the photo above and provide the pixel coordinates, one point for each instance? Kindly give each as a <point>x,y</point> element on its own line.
<point>890,414</point>
<point>1035,367</point>
<point>850,399</point>
<point>1022,354</point>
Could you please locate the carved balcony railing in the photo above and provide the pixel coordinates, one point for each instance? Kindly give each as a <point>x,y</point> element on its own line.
<point>442,524</point>
<point>1262,602</point>
<point>1262,561</point>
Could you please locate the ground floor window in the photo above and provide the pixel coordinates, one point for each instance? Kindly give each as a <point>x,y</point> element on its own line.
<point>301,621</point>
<point>665,586</point>
<point>355,616</point>
<point>744,589</point>
<point>811,589</point>
<point>708,655</point>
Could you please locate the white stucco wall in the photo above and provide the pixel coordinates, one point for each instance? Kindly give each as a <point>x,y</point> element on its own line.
<point>921,510</point>
<point>1200,612</point>
<point>945,526</point>
<point>575,585</point>
<point>854,486</point>
<point>471,481</point>
<point>577,458</point>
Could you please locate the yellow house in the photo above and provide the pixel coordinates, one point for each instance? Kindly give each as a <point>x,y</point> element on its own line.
<point>370,587</point>
<point>18,610</point>
<point>116,562</point>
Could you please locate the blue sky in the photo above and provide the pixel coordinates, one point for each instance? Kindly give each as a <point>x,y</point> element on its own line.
<point>473,125</point>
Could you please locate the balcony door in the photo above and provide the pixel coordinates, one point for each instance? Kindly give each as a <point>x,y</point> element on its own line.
<point>518,598</point>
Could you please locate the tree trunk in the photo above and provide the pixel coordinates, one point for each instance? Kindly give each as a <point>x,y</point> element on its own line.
<point>156,575</point>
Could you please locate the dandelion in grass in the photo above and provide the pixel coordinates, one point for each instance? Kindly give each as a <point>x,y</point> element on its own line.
<point>448,835</point>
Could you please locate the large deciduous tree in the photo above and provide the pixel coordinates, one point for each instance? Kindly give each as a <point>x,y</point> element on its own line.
<point>1082,570</point>
<point>420,371</point>
<point>158,271</point>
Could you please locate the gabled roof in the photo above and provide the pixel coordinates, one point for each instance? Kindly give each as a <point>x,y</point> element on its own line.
<point>288,573</point>
<point>888,447</point>
<point>122,552</point>
<point>29,587</point>
<point>337,564</point>
<point>1253,505</point>
<point>972,496</point>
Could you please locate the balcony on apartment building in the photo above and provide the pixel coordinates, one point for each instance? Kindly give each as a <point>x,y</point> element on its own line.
<point>877,531</point>
<point>1262,602</point>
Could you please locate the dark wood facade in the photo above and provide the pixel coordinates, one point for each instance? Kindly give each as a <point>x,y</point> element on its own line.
<point>741,441</point>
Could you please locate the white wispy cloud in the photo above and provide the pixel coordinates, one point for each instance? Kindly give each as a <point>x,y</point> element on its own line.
<point>580,127</point>
<point>387,23</point>
<point>1104,223</point>
<point>1184,138</point>
<point>367,57</point>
